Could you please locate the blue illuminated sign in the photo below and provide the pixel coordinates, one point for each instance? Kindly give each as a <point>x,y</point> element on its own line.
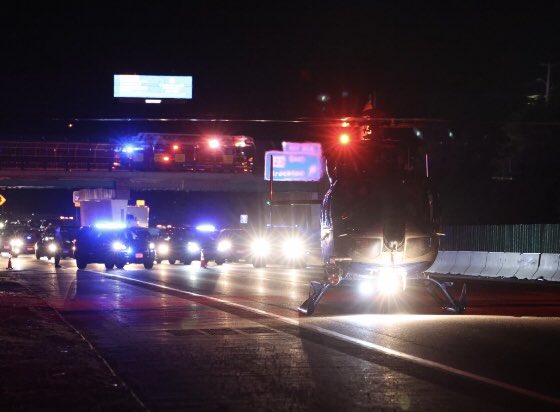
<point>152,87</point>
<point>293,167</point>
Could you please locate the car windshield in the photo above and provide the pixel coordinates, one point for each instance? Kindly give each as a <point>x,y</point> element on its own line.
<point>67,233</point>
<point>109,235</point>
<point>234,234</point>
<point>183,234</point>
<point>139,234</point>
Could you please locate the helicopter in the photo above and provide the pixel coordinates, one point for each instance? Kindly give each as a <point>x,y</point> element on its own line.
<point>380,217</point>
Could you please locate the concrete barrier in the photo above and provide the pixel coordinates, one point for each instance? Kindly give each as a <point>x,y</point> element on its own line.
<point>462,263</point>
<point>494,263</point>
<point>510,265</point>
<point>549,267</point>
<point>528,265</point>
<point>443,263</point>
<point>477,264</point>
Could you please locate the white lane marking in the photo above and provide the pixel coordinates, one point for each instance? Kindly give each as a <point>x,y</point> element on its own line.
<point>365,344</point>
<point>234,270</point>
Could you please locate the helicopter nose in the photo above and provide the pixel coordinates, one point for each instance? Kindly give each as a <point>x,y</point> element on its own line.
<point>394,234</point>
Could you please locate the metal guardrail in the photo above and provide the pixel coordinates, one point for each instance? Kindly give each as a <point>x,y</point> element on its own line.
<point>522,238</point>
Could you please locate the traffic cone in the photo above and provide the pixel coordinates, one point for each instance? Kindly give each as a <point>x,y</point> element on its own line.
<point>10,262</point>
<point>202,259</point>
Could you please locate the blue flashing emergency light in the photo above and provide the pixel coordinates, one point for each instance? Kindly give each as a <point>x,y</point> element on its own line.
<point>129,149</point>
<point>109,225</point>
<point>206,228</point>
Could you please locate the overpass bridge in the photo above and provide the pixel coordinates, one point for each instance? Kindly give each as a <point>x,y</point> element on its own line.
<point>141,181</point>
<point>147,161</point>
<point>106,194</point>
<point>104,174</point>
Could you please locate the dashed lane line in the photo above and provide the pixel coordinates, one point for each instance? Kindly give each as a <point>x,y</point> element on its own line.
<point>349,339</point>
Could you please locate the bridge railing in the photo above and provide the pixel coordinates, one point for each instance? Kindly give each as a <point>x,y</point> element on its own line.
<point>56,156</point>
<point>163,156</point>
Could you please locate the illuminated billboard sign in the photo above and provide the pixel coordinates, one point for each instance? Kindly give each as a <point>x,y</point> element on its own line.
<point>301,165</point>
<point>133,86</point>
<point>307,148</point>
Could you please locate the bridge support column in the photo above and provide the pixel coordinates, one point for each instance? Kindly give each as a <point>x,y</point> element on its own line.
<point>299,213</point>
<point>108,205</point>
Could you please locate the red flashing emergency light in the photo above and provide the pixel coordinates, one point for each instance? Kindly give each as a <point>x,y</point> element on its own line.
<point>344,139</point>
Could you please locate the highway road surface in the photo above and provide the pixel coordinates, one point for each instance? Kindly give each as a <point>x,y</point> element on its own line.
<point>229,337</point>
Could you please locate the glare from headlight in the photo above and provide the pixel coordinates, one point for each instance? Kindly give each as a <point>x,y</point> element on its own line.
<point>388,285</point>
<point>293,248</point>
<point>16,242</point>
<point>193,247</point>
<point>260,247</point>
<point>163,249</point>
<point>152,245</point>
<point>118,246</point>
<point>224,245</point>
<point>366,287</point>
<point>52,247</point>
<point>391,280</point>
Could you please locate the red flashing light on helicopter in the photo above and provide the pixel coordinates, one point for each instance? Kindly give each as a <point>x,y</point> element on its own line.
<point>344,139</point>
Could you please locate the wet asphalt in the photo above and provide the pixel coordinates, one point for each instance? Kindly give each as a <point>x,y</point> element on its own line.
<point>229,338</point>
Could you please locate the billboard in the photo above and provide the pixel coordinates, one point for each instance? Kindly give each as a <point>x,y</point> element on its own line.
<point>302,163</point>
<point>133,86</point>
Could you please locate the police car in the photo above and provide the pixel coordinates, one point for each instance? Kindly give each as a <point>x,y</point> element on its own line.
<point>186,244</point>
<point>114,245</point>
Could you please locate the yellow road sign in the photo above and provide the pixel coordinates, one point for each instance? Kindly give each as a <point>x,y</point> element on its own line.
<point>2,200</point>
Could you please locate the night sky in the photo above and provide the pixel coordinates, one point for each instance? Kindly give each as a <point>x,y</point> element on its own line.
<point>472,63</point>
<point>272,60</point>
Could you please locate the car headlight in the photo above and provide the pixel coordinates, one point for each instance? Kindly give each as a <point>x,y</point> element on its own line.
<point>118,246</point>
<point>152,245</point>
<point>52,247</point>
<point>293,248</point>
<point>163,249</point>
<point>193,247</point>
<point>224,245</point>
<point>260,247</point>
<point>16,242</point>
